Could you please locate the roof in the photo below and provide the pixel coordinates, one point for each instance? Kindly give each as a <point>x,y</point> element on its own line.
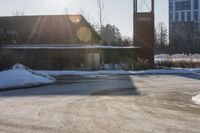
<point>48,29</point>
<point>64,46</point>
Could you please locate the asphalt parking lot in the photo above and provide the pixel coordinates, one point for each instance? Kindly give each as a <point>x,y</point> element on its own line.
<point>104,104</point>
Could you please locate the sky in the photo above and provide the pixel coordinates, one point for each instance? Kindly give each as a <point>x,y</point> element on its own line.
<point>117,12</point>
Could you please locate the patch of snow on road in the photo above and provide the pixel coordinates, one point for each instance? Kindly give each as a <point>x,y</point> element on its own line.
<point>21,76</point>
<point>196,99</point>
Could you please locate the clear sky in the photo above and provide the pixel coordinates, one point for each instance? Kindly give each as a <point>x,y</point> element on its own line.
<point>117,12</point>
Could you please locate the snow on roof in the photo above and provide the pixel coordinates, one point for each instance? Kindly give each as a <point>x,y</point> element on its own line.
<point>63,46</point>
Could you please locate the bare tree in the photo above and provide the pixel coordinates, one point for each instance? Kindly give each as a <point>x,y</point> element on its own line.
<point>18,13</point>
<point>101,6</point>
<point>162,35</point>
<point>85,14</point>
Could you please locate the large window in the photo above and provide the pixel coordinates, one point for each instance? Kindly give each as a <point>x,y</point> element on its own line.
<point>196,3</point>
<point>188,16</point>
<point>171,6</point>
<point>183,5</point>
<point>171,17</point>
<point>177,16</point>
<point>196,14</point>
<point>182,16</point>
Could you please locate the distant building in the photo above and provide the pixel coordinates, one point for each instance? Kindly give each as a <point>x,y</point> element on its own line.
<point>184,25</point>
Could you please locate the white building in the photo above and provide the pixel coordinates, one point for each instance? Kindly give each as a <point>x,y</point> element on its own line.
<point>184,19</point>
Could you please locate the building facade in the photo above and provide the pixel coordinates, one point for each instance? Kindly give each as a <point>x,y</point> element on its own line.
<point>184,25</point>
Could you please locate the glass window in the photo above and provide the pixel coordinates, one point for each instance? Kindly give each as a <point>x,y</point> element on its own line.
<point>171,6</point>
<point>183,5</point>
<point>182,16</point>
<point>177,16</point>
<point>188,16</point>
<point>196,14</point>
<point>177,6</point>
<point>187,5</point>
<point>196,3</point>
<point>171,17</point>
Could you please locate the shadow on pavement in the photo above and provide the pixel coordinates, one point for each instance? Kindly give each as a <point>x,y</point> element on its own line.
<point>191,76</point>
<point>100,86</point>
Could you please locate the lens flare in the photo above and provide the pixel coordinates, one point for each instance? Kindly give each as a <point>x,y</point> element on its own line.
<point>75,18</point>
<point>84,34</point>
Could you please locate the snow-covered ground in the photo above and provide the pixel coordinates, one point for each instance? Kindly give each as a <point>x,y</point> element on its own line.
<point>196,99</point>
<point>120,72</point>
<point>21,76</point>
<point>178,57</point>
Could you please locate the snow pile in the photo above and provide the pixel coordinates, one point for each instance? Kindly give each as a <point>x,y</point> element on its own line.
<point>21,76</point>
<point>22,67</point>
<point>196,99</point>
<point>178,57</point>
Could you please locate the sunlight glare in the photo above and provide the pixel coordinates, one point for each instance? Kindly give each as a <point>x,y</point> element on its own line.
<point>75,18</point>
<point>84,34</point>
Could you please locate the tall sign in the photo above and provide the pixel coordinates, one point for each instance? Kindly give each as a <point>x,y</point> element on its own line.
<point>144,30</point>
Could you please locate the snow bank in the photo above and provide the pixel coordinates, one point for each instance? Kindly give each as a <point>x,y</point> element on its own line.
<point>119,72</point>
<point>168,71</point>
<point>21,76</point>
<point>196,99</point>
<point>178,57</point>
<point>84,73</point>
<point>22,67</point>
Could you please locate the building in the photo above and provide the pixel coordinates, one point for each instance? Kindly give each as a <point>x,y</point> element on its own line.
<point>184,26</point>
<point>57,42</point>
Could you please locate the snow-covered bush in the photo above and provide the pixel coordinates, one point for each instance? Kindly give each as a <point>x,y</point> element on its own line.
<point>178,60</point>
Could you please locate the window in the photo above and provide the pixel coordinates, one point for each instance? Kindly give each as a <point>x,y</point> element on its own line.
<point>177,6</point>
<point>177,16</point>
<point>182,16</point>
<point>196,3</point>
<point>170,17</point>
<point>183,5</point>
<point>187,5</point>
<point>171,6</point>
<point>188,16</point>
<point>196,14</point>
